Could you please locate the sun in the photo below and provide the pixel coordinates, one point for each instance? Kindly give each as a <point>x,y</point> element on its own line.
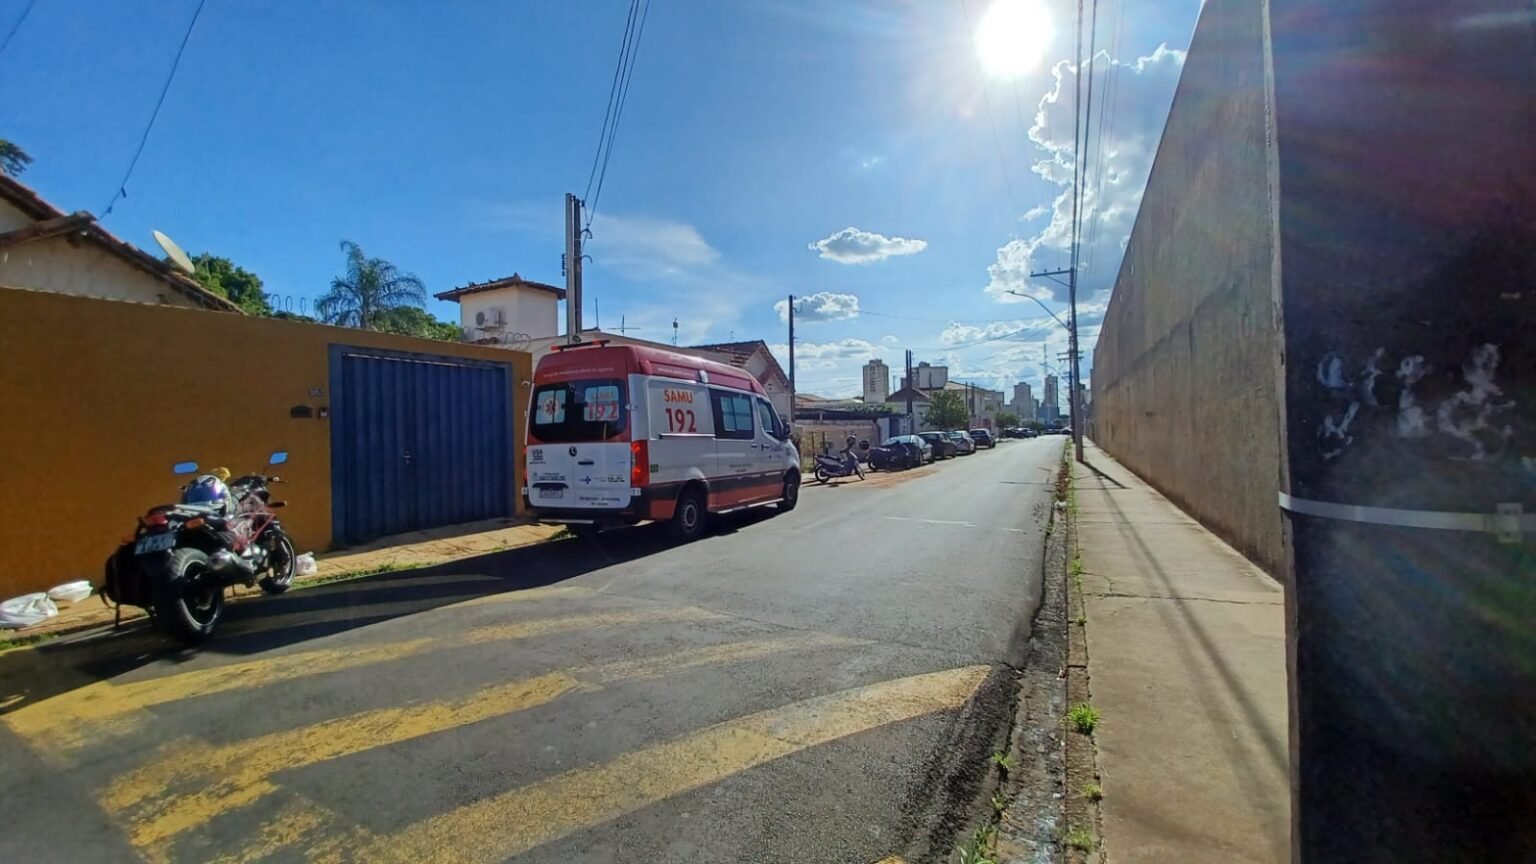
<point>1012,36</point>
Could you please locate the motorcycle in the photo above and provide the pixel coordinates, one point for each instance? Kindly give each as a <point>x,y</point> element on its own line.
<point>844,464</point>
<point>182,556</point>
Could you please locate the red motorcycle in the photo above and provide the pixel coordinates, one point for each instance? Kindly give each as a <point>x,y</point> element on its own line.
<point>182,556</point>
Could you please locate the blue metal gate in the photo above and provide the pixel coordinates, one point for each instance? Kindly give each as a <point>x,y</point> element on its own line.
<point>417,441</point>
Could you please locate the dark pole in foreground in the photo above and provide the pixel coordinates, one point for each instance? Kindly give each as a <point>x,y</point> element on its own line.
<point>791,361</point>
<point>1406,285</point>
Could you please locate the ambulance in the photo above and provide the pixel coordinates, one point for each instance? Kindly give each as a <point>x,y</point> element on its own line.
<point>619,434</point>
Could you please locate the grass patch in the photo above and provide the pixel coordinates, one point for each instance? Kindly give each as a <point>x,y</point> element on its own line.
<point>565,533</point>
<point>1077,565</point>
<point>1003,761</point>
<point>1083,717</point>
<point>1093,791</point>
<point>1080,839</point>
<point>12,642</point>
<point>999,801</point>
<point>981,848</point>
<point>1081,620</point>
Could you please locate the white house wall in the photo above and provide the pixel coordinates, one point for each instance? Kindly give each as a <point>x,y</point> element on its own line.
<point>532,311</point>
<point>67,265</point>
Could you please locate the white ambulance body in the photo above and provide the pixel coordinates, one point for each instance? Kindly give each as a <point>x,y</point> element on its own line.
<point>621,434</point>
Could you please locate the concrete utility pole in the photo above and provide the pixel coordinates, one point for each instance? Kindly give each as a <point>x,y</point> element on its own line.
<point>1407,420</point>
<point>791,361</point>
<point>573,231</point>
<point>908,386</point>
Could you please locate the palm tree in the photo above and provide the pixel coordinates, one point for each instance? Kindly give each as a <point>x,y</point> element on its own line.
<point>13,159</point>
<point>371,286</point>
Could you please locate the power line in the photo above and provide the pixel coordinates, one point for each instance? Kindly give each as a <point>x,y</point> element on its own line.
<point>25,11</point>
<point>997,140</point>
<point>613,92</point>
<point>1107,106</point>
<point>122,186</point>
<point>628,72</point>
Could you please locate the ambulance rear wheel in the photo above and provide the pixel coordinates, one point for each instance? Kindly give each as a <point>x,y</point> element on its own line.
<point>791,492</point>
<point>689,516</point>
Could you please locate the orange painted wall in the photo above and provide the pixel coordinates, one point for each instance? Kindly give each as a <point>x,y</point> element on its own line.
<point>98,398</point>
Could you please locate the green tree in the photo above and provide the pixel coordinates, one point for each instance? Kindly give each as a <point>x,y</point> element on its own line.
<point>13,159</point>
<point>370,286</point>
<point>946,410</point>
<point>1007,419</point>
<point>235,284</point>
<point>411,321</point>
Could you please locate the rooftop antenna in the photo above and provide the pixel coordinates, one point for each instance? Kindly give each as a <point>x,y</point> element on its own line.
<point>674,332</point>
<point>624,327</point>
<point>597,313</point>
<point>174,253</point>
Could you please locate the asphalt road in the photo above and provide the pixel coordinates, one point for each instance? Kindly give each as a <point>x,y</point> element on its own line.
<point>818,686</point>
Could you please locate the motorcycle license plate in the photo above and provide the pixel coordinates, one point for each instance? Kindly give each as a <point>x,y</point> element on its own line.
<point>154,543</point>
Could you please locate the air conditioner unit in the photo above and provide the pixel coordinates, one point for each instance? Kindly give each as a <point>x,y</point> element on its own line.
<point>489,319</point>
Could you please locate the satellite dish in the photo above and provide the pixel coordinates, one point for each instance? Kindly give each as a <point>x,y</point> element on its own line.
<point>178,258</point>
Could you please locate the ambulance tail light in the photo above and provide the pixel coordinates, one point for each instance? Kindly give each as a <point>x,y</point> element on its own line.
<point>639,464</point>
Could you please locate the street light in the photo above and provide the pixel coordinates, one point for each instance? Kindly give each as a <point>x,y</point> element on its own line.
<point>1072,396</point>
<point>1042,305</point>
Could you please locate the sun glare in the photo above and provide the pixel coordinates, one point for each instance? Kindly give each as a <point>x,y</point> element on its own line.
<point>1012,36</point>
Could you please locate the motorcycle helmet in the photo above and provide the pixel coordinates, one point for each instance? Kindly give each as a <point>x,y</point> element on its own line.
<point>207,490</point>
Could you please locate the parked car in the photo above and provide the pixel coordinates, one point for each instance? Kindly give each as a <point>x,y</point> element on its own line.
<point>983,438</point>
<point>943,448</point>
<point>964,444</point>
<point>921,450</point>
<point>1028,433</point>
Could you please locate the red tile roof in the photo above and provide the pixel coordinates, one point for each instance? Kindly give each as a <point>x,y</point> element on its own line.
<point>513,281</point>
<point>741,352</point>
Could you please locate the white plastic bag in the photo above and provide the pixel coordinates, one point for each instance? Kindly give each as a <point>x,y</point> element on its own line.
<point>70,592</point>
<point>26,610</point>
<point>306,565</point>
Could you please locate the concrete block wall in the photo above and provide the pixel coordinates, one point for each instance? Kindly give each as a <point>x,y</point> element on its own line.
<point>1184,373</point>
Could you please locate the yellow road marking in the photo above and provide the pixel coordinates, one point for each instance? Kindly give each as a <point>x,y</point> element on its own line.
<point>516,821</point>
<point>84,716</point>
<point>236,774</point>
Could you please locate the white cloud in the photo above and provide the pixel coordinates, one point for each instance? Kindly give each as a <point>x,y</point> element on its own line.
<point>854,246</point>
<point>889,339</point>
<point>825,355</point>
<point>685,278</point>
<point>1114,181</point>
<point>825,306</point>
<point>1036,212</point>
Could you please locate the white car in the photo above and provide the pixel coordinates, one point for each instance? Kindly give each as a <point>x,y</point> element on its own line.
<point>964,443</point>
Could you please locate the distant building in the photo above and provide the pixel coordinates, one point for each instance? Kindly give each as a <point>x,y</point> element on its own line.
<point>508,311</point>
<point>927,377</point>
<point>877,381</point>
<point>1050,409</point>
<point>1023,400</point>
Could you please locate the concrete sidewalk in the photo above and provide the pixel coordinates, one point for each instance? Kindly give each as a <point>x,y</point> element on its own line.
<point>1186,663</point>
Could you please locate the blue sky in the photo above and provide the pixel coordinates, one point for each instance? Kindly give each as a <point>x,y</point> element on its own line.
<point>443,137</point>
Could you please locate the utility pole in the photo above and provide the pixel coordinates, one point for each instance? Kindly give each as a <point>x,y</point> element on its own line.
<point>907,386</point>
<point>572,269</point>
<point>791,361</point>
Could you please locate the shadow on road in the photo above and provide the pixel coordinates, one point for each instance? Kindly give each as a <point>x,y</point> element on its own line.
<point>266,623</point>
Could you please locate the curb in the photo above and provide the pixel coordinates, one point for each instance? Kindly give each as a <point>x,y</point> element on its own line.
<point>1081,749</point>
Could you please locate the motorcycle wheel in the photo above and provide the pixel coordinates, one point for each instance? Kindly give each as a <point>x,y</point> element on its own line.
<point>189,601</point>
<point>282,564</point>
<point>821,475</point>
